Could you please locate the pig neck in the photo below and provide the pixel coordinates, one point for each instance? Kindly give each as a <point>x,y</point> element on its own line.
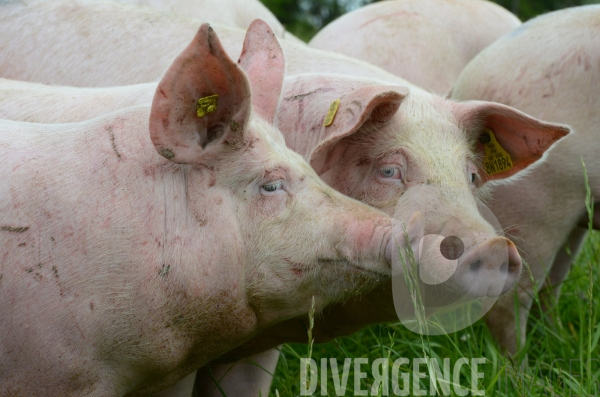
<point>121,243</point>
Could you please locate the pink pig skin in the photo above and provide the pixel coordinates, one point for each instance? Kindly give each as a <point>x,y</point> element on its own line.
<point>122,271</point>
<point>235,13</point>
<point>549,68</point>
<point>41,103</point>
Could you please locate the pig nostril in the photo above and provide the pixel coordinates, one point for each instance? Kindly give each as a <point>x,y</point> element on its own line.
<point>452,247</point>
<point>513,267</point>
<point>504,268</point>
<point>475,266</point>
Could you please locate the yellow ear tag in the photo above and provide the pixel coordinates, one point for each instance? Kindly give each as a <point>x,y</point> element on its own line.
<point>331,113</point>
<point>207,105</point>
<point>495,159</point>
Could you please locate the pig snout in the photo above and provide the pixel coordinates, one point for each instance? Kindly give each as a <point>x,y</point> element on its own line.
<point>390,240</point>
<point>489,269</point>
<point>366,247</point>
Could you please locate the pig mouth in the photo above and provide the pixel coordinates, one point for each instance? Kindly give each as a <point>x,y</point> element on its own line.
<point>344,266</point>
<point>443,295</point>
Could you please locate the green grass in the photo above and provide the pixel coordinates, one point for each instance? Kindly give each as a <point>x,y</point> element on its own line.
<point>572,338</point>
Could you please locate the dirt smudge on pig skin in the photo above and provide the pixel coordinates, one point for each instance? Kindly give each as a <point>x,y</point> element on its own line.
<point>14,229</point>
<point>164,271</point>
<point>112,141</point>
<point>305,95</point>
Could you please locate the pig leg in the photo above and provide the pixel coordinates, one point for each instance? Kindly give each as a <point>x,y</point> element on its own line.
<point>561,266</point>
<point>502,318</point>
<point>562,263</point>
<point>249,377</point>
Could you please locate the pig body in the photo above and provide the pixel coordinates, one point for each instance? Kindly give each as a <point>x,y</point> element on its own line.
<point>123,270</point>
<point>237,13</point>
<point>40,103</point>
<point>550,68</point>
<point>63,45</point>
<point>427,42</point>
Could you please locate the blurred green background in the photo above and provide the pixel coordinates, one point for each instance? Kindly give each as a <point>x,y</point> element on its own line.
<point>304,18</point>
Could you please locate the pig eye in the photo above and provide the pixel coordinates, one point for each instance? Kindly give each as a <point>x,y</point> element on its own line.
<point>389,172</point>
<point>475,179</point>
<point>473,175</point>
<point>272,187</point>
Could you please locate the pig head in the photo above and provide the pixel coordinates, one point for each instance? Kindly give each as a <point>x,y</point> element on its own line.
<point>401,149</point>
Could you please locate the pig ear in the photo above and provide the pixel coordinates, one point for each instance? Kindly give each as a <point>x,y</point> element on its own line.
<point>524,138</point>
<point>262,59</point>
<point>366,106</point>
<point>202,102</point>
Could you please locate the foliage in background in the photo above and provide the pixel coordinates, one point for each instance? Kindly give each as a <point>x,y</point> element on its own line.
<point>304,18</point>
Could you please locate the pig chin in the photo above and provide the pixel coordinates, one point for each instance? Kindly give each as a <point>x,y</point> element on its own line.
<point>448,294</point>
<point>337,279</point>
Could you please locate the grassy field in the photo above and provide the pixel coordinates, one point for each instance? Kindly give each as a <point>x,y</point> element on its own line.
<point>552,363</point>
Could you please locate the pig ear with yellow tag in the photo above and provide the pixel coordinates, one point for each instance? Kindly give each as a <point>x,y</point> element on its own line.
<point>201,105</point>
<point>345,116</point>
<point>507,140</point>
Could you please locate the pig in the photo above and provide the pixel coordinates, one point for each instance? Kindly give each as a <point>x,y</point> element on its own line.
<point>138,246</point>
<point>427,42</point>
<point>549,68</point>
<point>237,13</point>
<point>61,47</point>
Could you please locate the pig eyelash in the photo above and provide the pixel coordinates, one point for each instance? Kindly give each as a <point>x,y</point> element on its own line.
<point>389,172</point>
<point>272,187</point>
